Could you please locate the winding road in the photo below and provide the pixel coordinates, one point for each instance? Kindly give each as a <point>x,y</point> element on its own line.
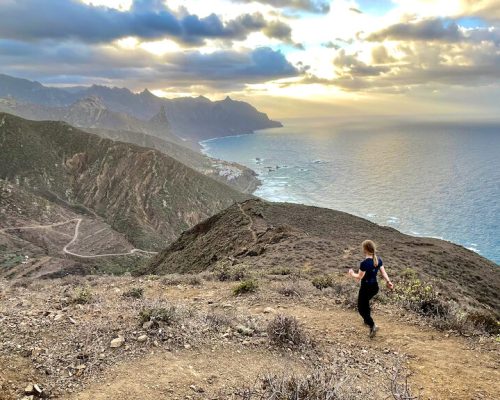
<point>75,238</point>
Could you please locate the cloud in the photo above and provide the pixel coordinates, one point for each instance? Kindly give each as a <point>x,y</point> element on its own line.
<point>137,68</point>
<point>380,55</point>
<point>423,65</point>
<point>348,65</point>
<point>434,29</point>
<point>147,19</point>
<point>487,9</point>
<point>314,6</point>
<point>428,29</point>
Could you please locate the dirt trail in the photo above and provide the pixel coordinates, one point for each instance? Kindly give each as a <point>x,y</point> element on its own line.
<point>445,367</point>
<point>204,374</point>
<point>74,239</point>
<point>250,223</point>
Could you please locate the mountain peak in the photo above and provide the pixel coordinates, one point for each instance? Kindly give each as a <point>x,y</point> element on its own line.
<point>160,118</point>
<point>147,92</point>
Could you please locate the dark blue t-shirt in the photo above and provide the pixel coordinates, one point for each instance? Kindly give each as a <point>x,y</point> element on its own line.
<point>370,270</point>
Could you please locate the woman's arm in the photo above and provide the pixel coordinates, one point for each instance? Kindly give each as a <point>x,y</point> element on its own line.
<point>390,285</point>
<point>357,275</point>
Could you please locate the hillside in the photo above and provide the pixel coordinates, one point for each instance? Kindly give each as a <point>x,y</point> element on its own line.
<point>140,192</point>
<point>190,118</point>
<point>278,235</point>
<point>232,174</point>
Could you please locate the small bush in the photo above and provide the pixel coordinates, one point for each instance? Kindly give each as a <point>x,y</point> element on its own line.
<point>323,282</point>
<point>420,297</point>
<point>82,296</point>
<point>249,286</point>
<point>134,293</point>
<point>166,315</point>
<point>218,321</point>
<point>171,280</point>
<point>194,280</point>
<point>484,321</point>
<point>284,330</point>
<point>290,290</point>
<point>226,273</point>
<point>280,271</point>
<point>320,384</point>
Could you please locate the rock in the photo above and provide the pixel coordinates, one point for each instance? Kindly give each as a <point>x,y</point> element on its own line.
<point>269,310</point>
<point>147,325</point>
<point>197,389</point>
<point>118,342</point>
<point>30,389</point>
<point>58,317</point>
<point>187,346</point>
<point>142,338</point>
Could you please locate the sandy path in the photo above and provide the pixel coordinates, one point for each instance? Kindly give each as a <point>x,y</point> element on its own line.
<point>169,375</point>
<point>446,367</point>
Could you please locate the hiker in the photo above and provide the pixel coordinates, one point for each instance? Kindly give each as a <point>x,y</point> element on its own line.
<point>367,274</point>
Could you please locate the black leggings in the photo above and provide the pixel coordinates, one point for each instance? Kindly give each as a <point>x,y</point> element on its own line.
<point>366,292</point>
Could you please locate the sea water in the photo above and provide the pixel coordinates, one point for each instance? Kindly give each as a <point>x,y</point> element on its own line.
<point>426,179</point>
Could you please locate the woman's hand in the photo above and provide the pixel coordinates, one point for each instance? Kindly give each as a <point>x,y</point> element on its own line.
<point>351,272</point>
<point>390,285</point>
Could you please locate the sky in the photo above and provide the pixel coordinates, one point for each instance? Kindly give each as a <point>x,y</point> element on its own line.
<point>291,58</point>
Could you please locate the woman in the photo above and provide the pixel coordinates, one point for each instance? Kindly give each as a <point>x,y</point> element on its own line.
<point>367,273</point>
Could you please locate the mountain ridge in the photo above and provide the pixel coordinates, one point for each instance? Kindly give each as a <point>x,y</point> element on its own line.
<point>191,118</point>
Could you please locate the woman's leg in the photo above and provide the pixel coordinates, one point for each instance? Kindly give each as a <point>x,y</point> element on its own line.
<point>366,293</point>
<point>364,305</point>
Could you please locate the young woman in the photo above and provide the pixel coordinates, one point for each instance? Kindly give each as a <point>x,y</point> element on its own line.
<point>367,273</point>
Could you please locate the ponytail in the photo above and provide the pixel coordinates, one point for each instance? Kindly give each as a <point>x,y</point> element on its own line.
<point>370,248</point>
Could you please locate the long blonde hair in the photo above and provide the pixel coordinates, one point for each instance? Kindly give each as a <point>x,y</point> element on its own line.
<point>370,248</point>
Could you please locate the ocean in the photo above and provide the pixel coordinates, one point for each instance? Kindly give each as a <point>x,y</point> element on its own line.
<point>438,180</point>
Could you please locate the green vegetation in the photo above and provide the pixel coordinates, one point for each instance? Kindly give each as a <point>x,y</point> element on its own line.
<point>10,260</point>
<point>82,295</point>
<point>248,286</point>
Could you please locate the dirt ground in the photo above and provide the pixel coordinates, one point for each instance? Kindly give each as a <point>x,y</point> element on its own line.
<point>442,365</point>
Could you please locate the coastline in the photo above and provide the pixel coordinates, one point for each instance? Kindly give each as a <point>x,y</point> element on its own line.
<point>473,247</point>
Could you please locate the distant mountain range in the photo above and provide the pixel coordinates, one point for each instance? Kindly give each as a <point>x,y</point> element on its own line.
<point>96,106</point>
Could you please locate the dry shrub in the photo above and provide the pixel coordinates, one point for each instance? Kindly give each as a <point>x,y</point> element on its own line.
<point>218,321</point>
<point>291,289</point>
<point>323,282</point>
<point>134,293</point>
<point>286,331</point>
<point>280,271</point>
<point>167,315</point>
<point>322,383</point>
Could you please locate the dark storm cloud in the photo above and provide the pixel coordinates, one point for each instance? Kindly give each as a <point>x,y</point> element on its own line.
<point>147,19</point>
<point>314,6</point>
<point>72,62</point>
